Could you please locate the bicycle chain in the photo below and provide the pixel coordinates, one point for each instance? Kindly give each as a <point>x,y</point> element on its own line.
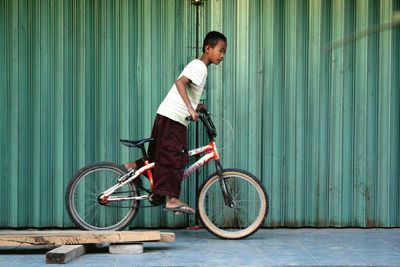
<point>130,207</point>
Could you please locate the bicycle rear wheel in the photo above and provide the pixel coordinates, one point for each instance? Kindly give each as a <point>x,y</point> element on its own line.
<point>250,204</point>
<point>82,201</point>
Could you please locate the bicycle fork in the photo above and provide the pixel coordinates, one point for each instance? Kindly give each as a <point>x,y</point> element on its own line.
<point>227,195</point>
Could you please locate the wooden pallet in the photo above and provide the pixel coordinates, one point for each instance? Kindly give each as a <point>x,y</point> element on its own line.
<point>71,244</point>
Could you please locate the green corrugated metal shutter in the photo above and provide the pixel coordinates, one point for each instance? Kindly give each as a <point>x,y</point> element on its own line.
<point>320,127</point>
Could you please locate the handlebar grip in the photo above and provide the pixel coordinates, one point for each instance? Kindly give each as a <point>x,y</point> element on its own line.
<point>207,122</point>
<point>203,111</point>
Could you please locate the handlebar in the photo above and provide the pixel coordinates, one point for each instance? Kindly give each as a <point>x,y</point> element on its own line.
<point>207,122</point>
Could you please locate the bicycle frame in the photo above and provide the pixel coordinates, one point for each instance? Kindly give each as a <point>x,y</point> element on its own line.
<point>211,153</point>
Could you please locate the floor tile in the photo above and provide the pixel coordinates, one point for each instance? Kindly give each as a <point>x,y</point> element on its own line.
<point>268,247</point>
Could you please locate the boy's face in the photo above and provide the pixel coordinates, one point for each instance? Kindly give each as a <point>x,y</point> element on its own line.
<point>216,54</point>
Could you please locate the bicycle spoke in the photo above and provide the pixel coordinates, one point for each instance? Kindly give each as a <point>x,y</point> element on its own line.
<point>92,218</point>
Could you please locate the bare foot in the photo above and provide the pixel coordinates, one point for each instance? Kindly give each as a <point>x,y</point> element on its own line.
<point>130,165</point>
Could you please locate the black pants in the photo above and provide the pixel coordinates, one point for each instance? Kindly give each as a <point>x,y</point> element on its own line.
<point>169,152</point>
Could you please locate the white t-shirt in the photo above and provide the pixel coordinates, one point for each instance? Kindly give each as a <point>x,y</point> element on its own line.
<point>173,106</point>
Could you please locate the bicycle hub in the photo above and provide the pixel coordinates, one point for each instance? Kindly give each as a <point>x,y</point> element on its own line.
<point>102,199</point>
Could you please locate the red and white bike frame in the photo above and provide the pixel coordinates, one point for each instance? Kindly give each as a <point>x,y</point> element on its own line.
<point>211,153</point>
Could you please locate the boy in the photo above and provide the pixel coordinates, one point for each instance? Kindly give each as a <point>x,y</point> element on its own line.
<point>169,149</point>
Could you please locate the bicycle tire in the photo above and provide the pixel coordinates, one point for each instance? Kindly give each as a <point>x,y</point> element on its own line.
<point>82,203</point>
<point>249,212</point>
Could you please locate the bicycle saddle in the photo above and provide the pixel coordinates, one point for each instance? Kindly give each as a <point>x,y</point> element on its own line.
<point>137,143</point>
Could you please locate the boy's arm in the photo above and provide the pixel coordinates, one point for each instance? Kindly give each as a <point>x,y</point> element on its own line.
<point>181,84</point>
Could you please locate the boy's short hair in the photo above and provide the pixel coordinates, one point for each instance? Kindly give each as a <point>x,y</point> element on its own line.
<point>212,38</point>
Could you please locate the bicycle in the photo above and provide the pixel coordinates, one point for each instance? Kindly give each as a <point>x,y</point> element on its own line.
<point>232,203</point>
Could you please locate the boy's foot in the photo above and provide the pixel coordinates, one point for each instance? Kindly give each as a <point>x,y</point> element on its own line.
<point>130,165</point>
<point>174,204</point>
<point>183,208</point>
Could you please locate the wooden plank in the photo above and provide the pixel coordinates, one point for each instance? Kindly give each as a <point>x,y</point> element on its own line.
<point>31,238</point>
<point>65,254</point>
<point>167,237</point>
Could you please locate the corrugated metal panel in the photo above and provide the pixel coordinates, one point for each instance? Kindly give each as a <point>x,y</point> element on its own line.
<point>76,77</point>
<point>320,127</point>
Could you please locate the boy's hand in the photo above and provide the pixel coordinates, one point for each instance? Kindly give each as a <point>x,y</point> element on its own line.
<point>194,114</point>
<point>201,107</point>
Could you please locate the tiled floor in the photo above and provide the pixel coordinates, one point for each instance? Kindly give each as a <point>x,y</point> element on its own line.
<point>268,247</point>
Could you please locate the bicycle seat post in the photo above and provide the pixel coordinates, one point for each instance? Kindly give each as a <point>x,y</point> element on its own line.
<point>144,153</point>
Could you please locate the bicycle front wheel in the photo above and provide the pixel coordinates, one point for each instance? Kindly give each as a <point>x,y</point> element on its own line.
<point>83,204</point>
<point>250,204</point>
